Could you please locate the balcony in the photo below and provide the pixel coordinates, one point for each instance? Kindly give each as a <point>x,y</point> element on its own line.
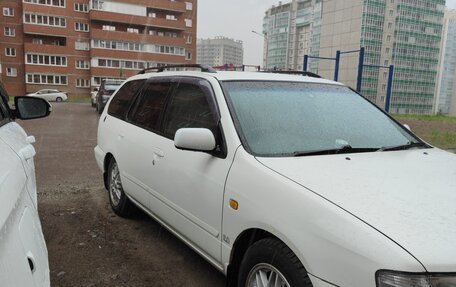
<point>137,20</point>
<point>132,37</point>
<point>164,5</point>
<point>45,30</point>
<point>45,49</point>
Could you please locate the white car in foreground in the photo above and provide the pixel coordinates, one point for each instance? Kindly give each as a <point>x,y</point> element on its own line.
<point>23,253</point>
<point>281,180</point>
<point>50,95</point>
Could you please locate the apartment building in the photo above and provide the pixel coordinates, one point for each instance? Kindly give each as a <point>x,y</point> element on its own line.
<point>219,51</point>
<point>291,31</point>
<point>71,45</point>
<point>403,33</point>
<point>446,101</point>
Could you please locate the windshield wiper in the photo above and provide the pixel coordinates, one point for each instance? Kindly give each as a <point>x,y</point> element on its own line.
<point>406,146</point>
<point>343,149</point>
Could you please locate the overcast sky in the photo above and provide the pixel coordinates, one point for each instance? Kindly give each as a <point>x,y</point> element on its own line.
<point>236,19</point>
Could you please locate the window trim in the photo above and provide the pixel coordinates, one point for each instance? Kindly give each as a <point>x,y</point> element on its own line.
<point>13,55</point>
<point>6,14</point>
<point>134,105</point>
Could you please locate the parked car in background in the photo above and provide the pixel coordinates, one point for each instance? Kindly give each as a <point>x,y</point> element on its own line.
<point>107,88</point>
<point>281,180</point>
<point>23,253</point>
<point>93,96</point>
<point>50,95</point>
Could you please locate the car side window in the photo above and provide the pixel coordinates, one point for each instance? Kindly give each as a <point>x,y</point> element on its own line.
<point>150,105</point>
<point>4,115</point>
<point>191,106</point>
<point>123,99</point>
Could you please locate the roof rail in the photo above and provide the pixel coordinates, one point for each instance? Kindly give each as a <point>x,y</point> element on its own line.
<point>203,68</point>
<point>302,73</point>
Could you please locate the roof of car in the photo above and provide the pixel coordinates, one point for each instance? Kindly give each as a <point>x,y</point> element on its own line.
<point>238,76</point>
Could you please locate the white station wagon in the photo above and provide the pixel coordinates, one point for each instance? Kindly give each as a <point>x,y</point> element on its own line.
<point>282,180</point>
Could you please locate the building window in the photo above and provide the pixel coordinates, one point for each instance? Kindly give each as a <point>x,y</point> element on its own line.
<point>97,5</point>
<point>8,12</point>
<point>82,83</point>
<point>109,28</point>
<point>10,52</point>
<point>189,6</point>
<point>152,14</point>
<point>11,72</point>
<point>188,22</point>
<point>83,65</point>
<point>171,17</point>
<point>58,3</point>
<point>387,50</point>
<point>388,38</point>
<point>188,39</point>
<point>46,60</point>
<point>81,27</point>
<point>81,7</point>
<point>82,46</point>
<point>10,32</point>
<point>46,79</point>
<point>45,20</point>
<point>37,41</point>
<point>188,56</point>
<point>133,30</point>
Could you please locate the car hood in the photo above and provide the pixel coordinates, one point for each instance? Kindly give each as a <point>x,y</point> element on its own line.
<point>410,196</point>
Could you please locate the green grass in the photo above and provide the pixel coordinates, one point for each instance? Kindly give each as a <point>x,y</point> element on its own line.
<point>436,118</point>
<point>441,139</point>
<point>78,99</point>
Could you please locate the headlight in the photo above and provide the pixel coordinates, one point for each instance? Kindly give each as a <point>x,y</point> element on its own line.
<point>402,279</point>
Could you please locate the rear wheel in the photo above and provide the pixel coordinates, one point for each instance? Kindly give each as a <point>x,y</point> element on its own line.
<point>58,99</point>
<point>120,203</point>
<point>269,262</point>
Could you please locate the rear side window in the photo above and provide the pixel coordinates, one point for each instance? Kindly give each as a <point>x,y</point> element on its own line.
<point>150,106</point>
<point>121,102</point>
<point>190,106</point>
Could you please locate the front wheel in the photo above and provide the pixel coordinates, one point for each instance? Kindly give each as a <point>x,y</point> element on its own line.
<point>269,262</point>
<point>120,203</point>
<point>58,99</point>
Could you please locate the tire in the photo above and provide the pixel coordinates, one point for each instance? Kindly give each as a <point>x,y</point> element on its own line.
<point>120,203</point>
<point>99,110</point>
<point>58,99</point>
<point>272,258</point>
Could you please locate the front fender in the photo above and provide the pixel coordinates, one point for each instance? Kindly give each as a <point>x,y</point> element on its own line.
<point>331,243</point>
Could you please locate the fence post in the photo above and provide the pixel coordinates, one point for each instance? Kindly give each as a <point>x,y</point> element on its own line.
<point>306,60</point>
<point>336,69</point>
<point>360,70</point>
<point>389,88</point>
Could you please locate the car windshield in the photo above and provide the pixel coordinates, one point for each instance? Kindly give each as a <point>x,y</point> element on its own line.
<point>112,87</point>
<point>289,118</point>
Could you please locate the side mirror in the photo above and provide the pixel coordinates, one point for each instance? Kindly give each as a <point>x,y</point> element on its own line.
<point>28,108</point>
<point>407,127</point>
<point>195,139</point>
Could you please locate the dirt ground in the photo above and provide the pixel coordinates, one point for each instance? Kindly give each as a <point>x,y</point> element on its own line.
<point>88,245</point>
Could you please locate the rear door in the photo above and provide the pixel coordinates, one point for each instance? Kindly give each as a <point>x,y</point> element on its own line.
<point>137,152</point>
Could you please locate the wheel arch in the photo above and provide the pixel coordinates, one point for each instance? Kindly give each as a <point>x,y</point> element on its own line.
<point>243,241</point>
<point>108,157</point>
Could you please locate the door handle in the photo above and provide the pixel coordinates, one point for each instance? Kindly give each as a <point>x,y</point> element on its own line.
<point>120,136</point>
<point>159,153</point>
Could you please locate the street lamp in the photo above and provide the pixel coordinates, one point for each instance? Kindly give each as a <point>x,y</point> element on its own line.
<point>265,48</point>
